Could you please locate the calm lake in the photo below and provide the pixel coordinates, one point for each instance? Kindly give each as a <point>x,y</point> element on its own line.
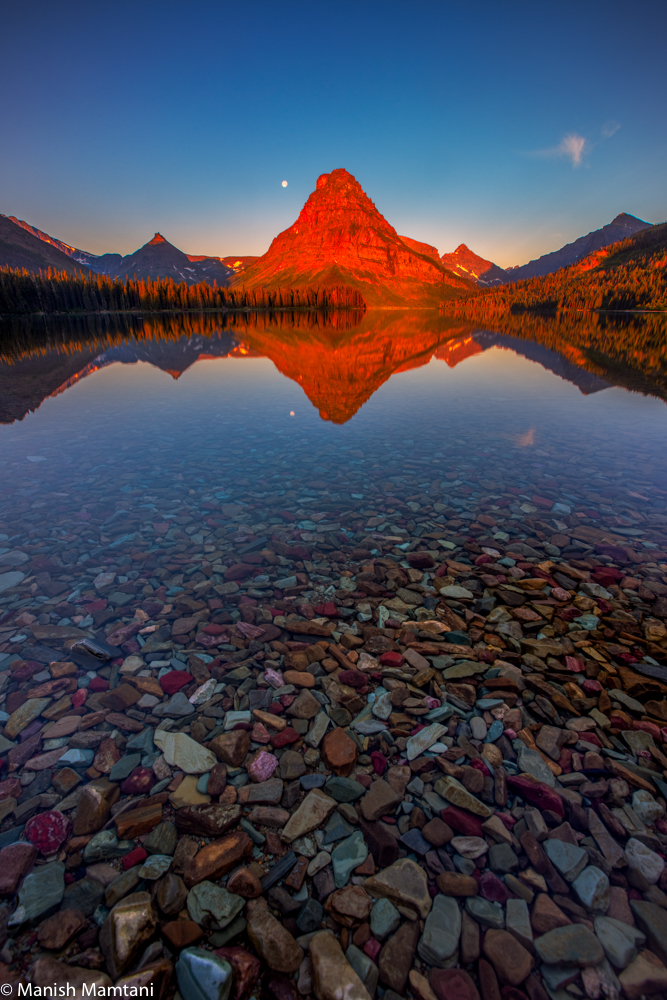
<point>122,440</point>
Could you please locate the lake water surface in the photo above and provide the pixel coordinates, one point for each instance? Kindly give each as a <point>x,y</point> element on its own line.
<point>386,426</point>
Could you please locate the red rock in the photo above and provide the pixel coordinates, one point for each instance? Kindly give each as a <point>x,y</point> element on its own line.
<point>373,948</point>
<point>48,831</point>
<point>354,678</point>
<point>98,684</point>
<point>453,984</point>
<point>174,681</point>
<point>182,933</point>
<point>246,969</point>
<point>135,857</point>
<point>392,659</point>
<point>79,697</point>
<point>10,788</point>
<point>217,780</point>
<point>239,571</point>
<point>379,762</point>
<point>328,610</point>
<point>139,782</point>
<point>420,560</point>
<point>535,793</point>
<point>56,931</point>
<point>491,888</point>
<point>15,862</point>
<point>284,738</point>
<point>461,821</point>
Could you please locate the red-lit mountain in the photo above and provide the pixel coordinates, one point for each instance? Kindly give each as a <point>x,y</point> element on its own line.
<point>468,265</point>
<point>340,238</point>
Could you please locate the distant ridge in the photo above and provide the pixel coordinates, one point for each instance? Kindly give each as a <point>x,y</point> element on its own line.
<point>161,259</point>
<point>340,238</point>
<point>19,247</point>
<point>620,228</point>
<point>469,265</point>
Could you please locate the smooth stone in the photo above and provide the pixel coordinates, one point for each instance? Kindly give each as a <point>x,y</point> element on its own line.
<point>155,866</point>
<point>364,967</point>
<point>517,922</point>
<point>202,976</point>
<point>272,942</point>
<point>572,945</point>
<point>652,920</point>
<point>347,856</point>
<point>124,767</point>
<point>344,789</point>
<point>440,939</point>
<point>384,919</point>
<point>511,961</point>
<point>336,829</point>
<point>646,976</point>
<point>418,744</point>
<point>531,762</point>
<point>485,913</point>
<point>592,888</point>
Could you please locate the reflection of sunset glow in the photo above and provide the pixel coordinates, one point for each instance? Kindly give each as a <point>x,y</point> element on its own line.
<point>527,439</point>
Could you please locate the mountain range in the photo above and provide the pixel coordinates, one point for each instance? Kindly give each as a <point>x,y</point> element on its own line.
<point>339,238</point>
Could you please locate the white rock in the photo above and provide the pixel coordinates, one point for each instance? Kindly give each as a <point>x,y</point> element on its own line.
<point>645,806</point>
<point>184,753</point>
<point>647,861</point>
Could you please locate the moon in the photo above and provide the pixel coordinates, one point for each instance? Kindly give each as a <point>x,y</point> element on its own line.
<point>284,184</point>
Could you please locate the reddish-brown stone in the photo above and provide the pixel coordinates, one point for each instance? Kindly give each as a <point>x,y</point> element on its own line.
<point>339,752</point>
<point>218,858</point>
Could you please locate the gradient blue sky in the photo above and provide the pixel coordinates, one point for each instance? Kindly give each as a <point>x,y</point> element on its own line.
<point>511,127</point>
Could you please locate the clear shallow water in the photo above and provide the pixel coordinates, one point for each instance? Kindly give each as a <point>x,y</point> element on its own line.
<point>393,426</point>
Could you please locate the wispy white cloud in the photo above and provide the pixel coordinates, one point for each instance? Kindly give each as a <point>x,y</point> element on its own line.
<point>575,147</point>
<point>610,128</point>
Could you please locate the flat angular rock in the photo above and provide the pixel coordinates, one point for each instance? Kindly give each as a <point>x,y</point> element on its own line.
<point>347,856</point>
<point>41,891</point>
<point>573,945</point>
<point>619,940</point>
<point>313,811</point>
<point>16,860</point>
<point>272,942</point>
<point>129,924</point>
<point>405,884</point>
<point>440,939</point>
<point>211,820</point>
<point>384,918</point>
<point>570,861</point>
<point>592,888</point>
<point>380,800</point>
<point>94,806</point>
<point>643,858</point>
<point>231,748</point>
<point>646,976</point>
<point>184,753</point>
<point>333,977</point>
<point>218,858</point>
<point>652,920</point>
<point>452,790</point>
<point>48,971</point>
<point>396,957</point>
<point>425,738</point>
<point>339,752</point>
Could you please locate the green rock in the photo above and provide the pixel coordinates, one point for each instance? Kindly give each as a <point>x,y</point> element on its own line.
<point>347,856</point>
<point>213,907</point>
<point>571,945</point>
<point>485,913</point>
<point>85,895</point>
<point>344,789</point>
<point>162,840</point>
<point>384,919</point>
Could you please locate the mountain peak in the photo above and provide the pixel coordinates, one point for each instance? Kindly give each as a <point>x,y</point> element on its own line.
<point>158,238</point>
<point>340,238</point>
<point>624,218</point>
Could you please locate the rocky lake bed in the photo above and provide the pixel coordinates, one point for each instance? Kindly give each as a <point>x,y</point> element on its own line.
<point>319,713</point>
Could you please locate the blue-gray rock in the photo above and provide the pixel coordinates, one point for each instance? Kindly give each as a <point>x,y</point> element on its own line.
<point>502,859</point>
<point>309,781</point>
<point>592,888</point>
<point>336,829</point>
<point>571,945</point>
<point>42,891</point>
<point>347,856</point>
<point>364,967</point>
<point>442,930</point>
<point>202,976</point>
<point>485,913</point>
<point>76,759</point>
<point>105,845</point>
<point>142,742</point>
<point>568,859</point>
<point>414,841</point>
<point>85,895</point>
<point>384,919</point>
<point>619,940</point>
<point>310,916</point>
<point>124,767</point>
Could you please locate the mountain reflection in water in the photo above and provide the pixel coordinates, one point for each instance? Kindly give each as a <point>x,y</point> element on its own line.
<point>339,360</point>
